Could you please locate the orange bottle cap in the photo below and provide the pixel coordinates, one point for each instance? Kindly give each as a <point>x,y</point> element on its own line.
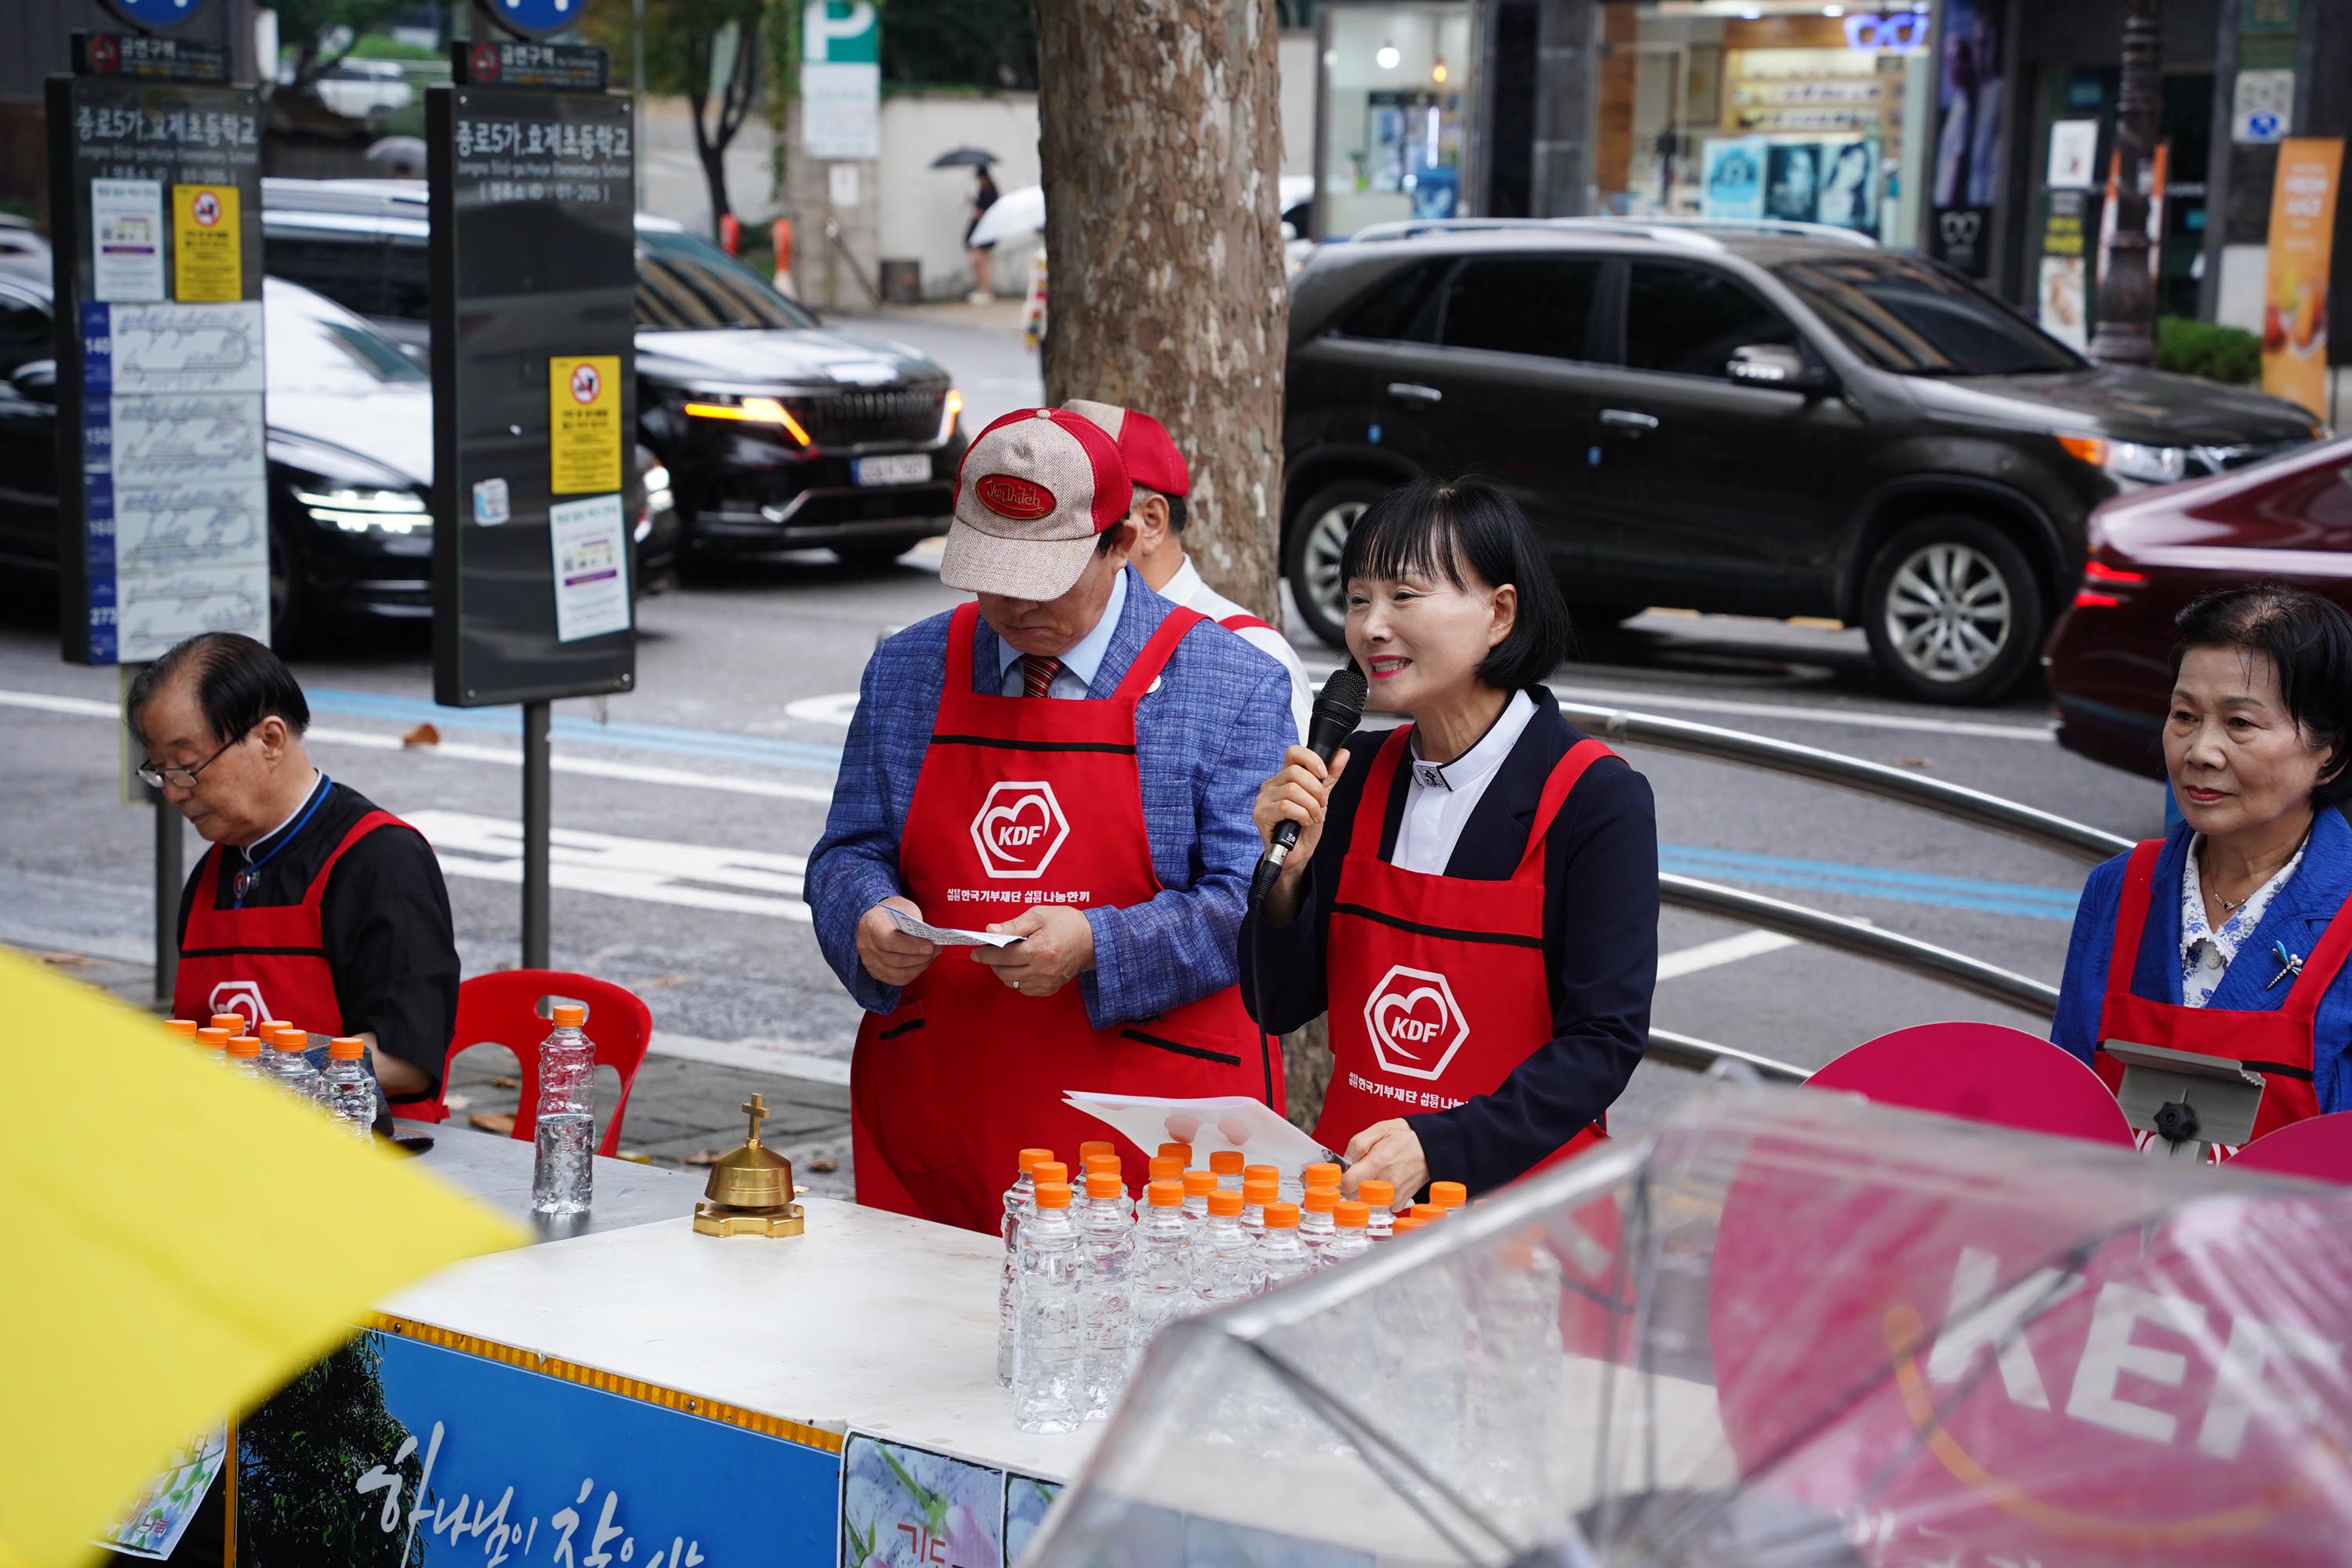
<point>345,1047</point>
<point>1262,1191</point>
<point>1226,1203</point>
<point>1046,1170</point>
<point>1093,1146</point>
<point>1199,1183</point>
<point>1323,1174</point>
<point>1352,1213</point>
<point>1053,1195</point>
<point>285,1036</point>
<point>1406,1222</point>
<point>1176,1152</point>
<point>1104,1184</point>
<point>1168,1168</point>
<point>1380,1194</point>
<point>1427,1212</point>
<point>216,1039</point>
<point>568,1015</point>
<point>184,1027</point>
<point>1226,1162</point>
<point>1449,1194</point>
<point>1282,1216</point>
<point>232,1022</point>
<point>244,1046</point>
<point>1320,1200</point>
<point>1167,1194</point>
<point>1030,1157</point>
<point>1095,1162</point>
<point>1261,1174</point>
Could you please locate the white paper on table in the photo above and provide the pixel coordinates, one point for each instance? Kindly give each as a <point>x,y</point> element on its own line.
<point>592,567</point>
<point>1223,1121</point>
<point>947,936</point>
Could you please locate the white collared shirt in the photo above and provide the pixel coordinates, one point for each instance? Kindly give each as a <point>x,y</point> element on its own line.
<point>318,782</point>
<point>1187,589</point>
<point>1078,665</point>
<point>2206,954</point>
<point>1439,801</point>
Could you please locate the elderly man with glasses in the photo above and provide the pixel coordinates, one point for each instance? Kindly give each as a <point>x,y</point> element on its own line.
<point>312,907</point>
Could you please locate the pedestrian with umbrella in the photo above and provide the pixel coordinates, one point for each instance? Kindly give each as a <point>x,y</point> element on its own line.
<point>984,197</point>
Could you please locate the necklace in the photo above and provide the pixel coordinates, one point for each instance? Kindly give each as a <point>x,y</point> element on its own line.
<point>2228,904</point>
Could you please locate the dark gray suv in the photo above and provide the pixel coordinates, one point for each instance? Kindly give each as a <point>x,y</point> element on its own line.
<point>1766,419</point>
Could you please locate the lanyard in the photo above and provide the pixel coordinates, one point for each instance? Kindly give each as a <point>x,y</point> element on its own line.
<point>242,883</point>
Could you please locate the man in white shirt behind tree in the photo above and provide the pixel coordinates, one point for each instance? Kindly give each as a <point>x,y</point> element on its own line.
<point>1162,482</point>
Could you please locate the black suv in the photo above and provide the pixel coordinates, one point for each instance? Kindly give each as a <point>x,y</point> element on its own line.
<point>1760,419</point>
<point>780,432</point>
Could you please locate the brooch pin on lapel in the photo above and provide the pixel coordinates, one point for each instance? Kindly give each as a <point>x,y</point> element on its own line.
<point>2289,963</point>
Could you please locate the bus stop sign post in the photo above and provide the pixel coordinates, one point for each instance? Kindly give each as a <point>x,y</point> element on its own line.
<point>163,500</point>
<point>532,167</point>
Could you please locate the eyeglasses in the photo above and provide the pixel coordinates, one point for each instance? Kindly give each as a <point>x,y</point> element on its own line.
<point>154,777</point>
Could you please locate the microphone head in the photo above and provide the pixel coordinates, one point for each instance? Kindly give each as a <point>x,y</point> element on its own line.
<point>1343,696</point>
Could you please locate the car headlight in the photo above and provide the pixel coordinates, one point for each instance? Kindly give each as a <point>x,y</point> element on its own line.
<point>727,406</point>
<point>950,409</point>
<point>658,500</point>
<point>358,511</point>
<point>2132,460</point>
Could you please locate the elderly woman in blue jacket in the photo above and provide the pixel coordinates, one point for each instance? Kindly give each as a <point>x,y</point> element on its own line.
<point>2227,937</point>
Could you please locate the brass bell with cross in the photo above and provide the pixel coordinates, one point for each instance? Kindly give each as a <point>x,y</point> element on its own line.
<point>750,1189</point>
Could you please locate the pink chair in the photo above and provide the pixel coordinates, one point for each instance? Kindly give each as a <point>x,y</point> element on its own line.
<point>1982,1072</point>
<point>506,1008</point>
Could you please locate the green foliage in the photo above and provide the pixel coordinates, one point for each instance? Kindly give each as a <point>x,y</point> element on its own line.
<point>302,22</point>
<point>2208,349</point>
<point>987,43</point>
<point>678,36</point>
<point>298,1455</point>
<point>384,46</point>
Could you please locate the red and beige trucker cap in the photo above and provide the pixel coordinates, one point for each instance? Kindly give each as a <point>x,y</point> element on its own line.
<point>1035,489</point>
<point>1152,459</point>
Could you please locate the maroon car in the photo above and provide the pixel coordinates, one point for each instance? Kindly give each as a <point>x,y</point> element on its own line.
<point>2287,520</point>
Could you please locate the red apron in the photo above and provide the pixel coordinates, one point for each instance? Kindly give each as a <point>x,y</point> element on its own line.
<point>1437,983</point>
<point>1245,623</point>
<point>1025,800</point>
<point>266,963</point>
<point>2277,1045</point>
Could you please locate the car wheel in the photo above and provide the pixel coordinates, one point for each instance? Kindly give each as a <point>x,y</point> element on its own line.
<point>870,557</point>
<point>292,601</point>
<point>1311,556</point>
<point>1952,610</point>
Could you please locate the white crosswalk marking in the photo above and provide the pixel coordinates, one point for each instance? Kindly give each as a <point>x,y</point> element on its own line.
<point>732,881</point>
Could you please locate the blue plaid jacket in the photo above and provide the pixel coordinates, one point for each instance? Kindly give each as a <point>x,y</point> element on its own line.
<point>1213,732</point>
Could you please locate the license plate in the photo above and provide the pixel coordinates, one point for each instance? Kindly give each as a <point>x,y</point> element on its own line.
<point>908,468</point>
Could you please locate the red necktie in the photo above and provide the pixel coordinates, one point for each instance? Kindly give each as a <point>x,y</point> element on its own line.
<point>1037,672</point>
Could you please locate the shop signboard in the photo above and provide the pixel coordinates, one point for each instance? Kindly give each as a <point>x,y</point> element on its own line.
<point>2063,294</point>
<point>2295,295</point>
<point>163,497</point>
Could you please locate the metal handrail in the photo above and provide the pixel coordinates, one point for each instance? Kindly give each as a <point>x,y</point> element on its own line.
<point>1975,807</point>
<point>1695,1055</point>
<point>1861,938</point>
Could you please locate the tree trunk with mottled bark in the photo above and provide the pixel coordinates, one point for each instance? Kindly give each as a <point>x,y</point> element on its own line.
<point>1160,134</point>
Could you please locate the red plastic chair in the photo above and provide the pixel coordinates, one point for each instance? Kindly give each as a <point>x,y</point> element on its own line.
<point>504,1009</point>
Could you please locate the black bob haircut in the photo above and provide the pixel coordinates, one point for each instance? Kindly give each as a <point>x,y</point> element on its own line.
<point>1457,530</point>
<point>238,683</point>
<point>2308,640</point>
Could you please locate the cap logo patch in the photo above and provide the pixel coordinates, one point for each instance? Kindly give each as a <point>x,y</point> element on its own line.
<point>1010,495</point>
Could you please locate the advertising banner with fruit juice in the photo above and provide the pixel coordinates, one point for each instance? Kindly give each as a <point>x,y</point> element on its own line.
<point>2294,300</point>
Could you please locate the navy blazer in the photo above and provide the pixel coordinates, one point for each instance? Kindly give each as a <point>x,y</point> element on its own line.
<point>1599,943</point>
<point>2298,914</point>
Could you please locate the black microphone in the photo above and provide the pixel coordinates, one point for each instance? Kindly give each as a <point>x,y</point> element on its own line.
<point>1339,709</point>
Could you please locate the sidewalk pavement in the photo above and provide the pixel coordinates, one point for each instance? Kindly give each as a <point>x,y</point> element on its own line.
<point>681,1113</point>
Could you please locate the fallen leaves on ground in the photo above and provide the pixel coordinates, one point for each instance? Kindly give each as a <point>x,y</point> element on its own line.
<point>498,1122</point>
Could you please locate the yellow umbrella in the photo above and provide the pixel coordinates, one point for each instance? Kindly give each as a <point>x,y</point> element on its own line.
<point>177,1243</point>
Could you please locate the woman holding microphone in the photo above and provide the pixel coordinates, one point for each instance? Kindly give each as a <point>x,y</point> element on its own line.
<point>2227,937</point>
<point>1473,896</point>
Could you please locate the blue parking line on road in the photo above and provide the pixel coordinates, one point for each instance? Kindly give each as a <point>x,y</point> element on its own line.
<point>669,739</point>
<point>1886,876</point>
<point>2022,898</point>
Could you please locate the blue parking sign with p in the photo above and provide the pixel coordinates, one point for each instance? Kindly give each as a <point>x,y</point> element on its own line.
<point>145,13</point>
<point>533,18</point>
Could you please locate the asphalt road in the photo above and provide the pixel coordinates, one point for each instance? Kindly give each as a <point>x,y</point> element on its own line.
<point>683,812</point>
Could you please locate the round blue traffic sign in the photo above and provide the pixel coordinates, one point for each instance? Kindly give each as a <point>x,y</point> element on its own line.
<point>145,13</point>
<point>533,18</point>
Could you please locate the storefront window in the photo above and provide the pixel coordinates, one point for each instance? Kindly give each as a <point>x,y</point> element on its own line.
<point>1815,114</point>
<point>1396,83</point>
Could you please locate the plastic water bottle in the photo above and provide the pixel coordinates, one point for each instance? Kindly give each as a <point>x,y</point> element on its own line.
<point>1223,1256</point>
<point>562,1177</point>
<point>214,1043</point>
<point>1227,1164</point>
<point>1281,1257</point>
<point>1449,1196</point>
<point>1106,1252</point>
<point>282,1047</point>
<point>1322,1175</point>
<point>1048,1395</point>
<point>230,1023</point>
<point>1198,1186</point>
<point>1180,1152</point>
<point>244,1053</point>
<point>1514,1414</point>
<point>1315,1225</point>
<point>1349,1219</point>
<point>1163,1168</point>
<point>1160,1277</point>
<point>1020,1200</point>
<point>1087,1151</point>
<point>348,1089</point>
<point>1381,1198</point>
<point>1101,1165</point>
<point>1256,1194</point>
<point>1421,1337</point>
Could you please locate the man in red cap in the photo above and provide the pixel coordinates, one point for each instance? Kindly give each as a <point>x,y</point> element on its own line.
<point>1163,486</point>
<point>1069,761</point>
